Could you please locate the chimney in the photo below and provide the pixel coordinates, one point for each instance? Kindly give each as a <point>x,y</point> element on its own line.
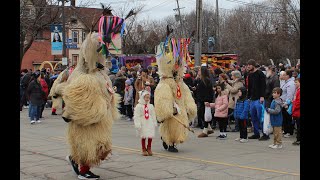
<point>73,3</point>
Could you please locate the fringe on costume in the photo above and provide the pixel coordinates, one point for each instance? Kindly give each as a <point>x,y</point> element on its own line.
<point>87,100</point>
<point>92,110</point>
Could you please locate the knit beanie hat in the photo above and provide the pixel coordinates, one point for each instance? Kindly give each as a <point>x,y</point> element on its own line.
<point>128,81</point>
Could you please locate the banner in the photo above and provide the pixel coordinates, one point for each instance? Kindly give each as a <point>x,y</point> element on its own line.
<point>56,39</point>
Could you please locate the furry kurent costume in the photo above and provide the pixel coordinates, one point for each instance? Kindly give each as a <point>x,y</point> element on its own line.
<point>173,100</point>
<point>145,121</point>
<point>91,107</point>
<point>91,103</point>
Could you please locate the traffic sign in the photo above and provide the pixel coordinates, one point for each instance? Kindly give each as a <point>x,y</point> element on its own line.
<point>71,46</point>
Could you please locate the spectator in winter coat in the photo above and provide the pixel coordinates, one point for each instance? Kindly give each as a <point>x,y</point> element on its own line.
<point>288,89</point>
<point>119,83</point>
<point>256,93</point>
<point>241,114</point>
<point>233,93</point>
<point>128,99</point>
<point>24,83</point>
<point>221,110</point>
<point>296,110</point>
<point>276,118</point>
<point>272,81</point>
<point>45,89</point>
<point>141,82</point>
<point>35,96</point>
<point>204,93</point>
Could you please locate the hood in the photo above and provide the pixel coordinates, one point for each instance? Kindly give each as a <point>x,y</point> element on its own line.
<point>141,96</point>
<point>278,101</point>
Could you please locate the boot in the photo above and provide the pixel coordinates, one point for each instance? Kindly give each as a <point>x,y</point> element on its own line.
<point>164,144</point>
<point>204,133</point>
<point>144,152</point>
<point>172,149</point>
<point>149,151</point>
<point>149,147</point>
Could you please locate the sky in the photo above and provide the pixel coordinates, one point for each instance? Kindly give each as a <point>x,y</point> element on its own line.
<point>159,9</point>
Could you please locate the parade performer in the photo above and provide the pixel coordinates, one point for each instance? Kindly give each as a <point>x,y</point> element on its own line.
<point>91,103</point>
<point>145,121</point>
<point>91,108</point>
<point>175,108</point>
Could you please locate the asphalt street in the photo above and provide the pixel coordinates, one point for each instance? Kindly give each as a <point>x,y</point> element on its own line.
<point>43,149</point>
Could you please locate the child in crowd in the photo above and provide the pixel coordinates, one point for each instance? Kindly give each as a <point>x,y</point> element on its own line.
<point>276,118</point>
<point>241,113</point>
<point>145,121</point>
<point>296,110</point>
<point>128,99</point>
<point>221,110</point>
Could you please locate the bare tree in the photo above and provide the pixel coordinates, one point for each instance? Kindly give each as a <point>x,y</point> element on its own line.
<point>35,15</point>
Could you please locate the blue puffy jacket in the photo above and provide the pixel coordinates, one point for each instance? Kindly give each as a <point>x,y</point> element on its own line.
<point>241,110</point>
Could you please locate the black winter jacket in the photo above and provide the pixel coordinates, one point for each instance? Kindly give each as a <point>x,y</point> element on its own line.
<point>35,94</point>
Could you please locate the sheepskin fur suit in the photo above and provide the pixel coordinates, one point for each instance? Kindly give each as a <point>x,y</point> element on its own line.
<point>166,96</point>
<point>57,89</point>
<point>146,126</point>
<point>91,106</point>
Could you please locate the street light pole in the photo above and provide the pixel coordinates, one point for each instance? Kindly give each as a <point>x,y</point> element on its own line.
<point>64,54</point>
<point>63,31</point>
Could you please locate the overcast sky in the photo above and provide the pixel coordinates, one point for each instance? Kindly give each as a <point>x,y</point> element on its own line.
<point>158,9</point>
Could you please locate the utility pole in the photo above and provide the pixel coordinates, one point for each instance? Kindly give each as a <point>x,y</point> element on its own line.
<point>63,30</point>
<point>181,25</point>
<point>218,26</point>
<point>198,43</point>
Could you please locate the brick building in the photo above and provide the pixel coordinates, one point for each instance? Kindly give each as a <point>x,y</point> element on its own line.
<point>79,21</point>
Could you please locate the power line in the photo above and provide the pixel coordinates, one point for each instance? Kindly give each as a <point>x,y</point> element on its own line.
<point>233,10</point>
<point>157,5</point>
<point>251,4</point>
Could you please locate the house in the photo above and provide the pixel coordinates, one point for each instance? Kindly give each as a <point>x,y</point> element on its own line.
<point>79,21</point>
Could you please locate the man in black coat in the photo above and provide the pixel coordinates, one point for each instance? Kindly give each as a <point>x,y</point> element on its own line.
<point>256,94</point>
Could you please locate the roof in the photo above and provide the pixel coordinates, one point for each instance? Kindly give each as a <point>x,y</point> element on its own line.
<point>88,16</point>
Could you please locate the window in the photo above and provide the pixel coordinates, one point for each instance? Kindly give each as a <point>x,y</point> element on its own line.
<point>75,36</point>
<point>83,36</point>
<point>74,58</point>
